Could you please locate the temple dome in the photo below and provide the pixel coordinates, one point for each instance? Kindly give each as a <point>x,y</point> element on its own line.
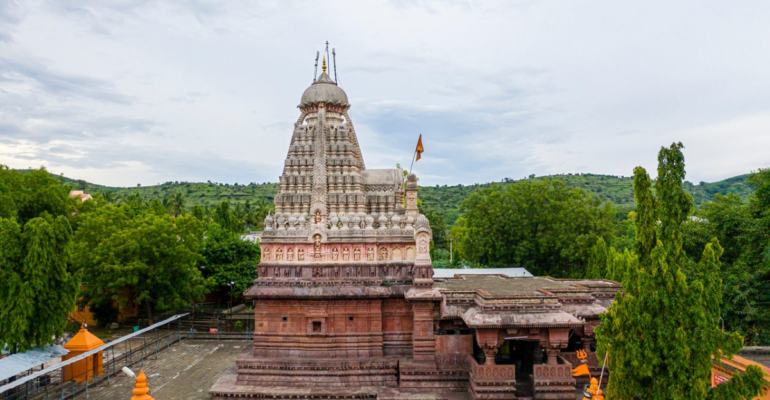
<point>324,90</point>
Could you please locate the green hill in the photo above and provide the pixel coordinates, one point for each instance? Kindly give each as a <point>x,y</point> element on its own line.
<point>444,200</point>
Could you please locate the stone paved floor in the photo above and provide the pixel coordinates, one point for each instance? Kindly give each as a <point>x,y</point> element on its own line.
<point>186,371</point>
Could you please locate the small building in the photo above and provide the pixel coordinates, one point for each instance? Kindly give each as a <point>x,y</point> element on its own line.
<point>89,367</point>
<point>13,365</point>
<point>79,194</point>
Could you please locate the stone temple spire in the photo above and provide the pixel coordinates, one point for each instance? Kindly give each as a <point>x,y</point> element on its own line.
<point>330,208</point>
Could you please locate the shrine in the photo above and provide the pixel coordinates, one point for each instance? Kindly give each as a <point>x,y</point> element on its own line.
<point>347,307</point>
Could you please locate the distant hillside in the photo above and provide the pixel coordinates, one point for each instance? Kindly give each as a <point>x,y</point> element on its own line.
<point>439,199</point>
<point>618,190</point>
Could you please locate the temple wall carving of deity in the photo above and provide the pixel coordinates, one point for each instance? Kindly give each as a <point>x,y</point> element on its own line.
<point>346,306</point>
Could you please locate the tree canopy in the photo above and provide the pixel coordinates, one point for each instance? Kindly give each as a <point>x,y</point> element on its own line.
<point>544,226</point>
<point>37,290</point>
<point>662,330</point>
<point>149,259</point>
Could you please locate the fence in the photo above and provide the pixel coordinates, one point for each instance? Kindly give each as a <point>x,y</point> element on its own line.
<point>129,350</point>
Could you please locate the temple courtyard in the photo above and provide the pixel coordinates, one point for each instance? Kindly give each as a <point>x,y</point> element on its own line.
<point>185,371</point>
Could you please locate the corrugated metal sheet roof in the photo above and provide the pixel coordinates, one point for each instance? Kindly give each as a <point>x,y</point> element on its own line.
<point>450,272</point>
<point>15,364</point>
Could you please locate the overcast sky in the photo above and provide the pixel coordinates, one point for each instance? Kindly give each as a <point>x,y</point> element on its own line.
<point>123,92</point>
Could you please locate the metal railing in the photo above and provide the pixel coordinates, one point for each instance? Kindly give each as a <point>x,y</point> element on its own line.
<point>65,380</point>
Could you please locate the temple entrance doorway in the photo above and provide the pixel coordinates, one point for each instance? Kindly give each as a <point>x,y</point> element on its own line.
<point>520,353</point>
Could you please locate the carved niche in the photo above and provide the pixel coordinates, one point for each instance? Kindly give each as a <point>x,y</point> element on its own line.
<point>396,254</point>
<point>335,254</point>
<point>317,247</point>
<point>423,244</point>
<point>317,217</point>
<point>290,254</point>
<point>266,254</point>
<point>383,253</point>
<point>410,253</point>
<point>345,254</point>
<point>369,254</point>
<point>279,255</point>
<point>357,254</point>
<point>301,255</point>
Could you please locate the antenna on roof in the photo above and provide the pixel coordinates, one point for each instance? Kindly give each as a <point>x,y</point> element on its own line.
<point>315,71</point>
<point>334,60</point>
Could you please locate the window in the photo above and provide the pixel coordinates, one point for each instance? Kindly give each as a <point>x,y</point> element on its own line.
<point>350,318</point>
<point>285,319</point>
<point>316,326</point>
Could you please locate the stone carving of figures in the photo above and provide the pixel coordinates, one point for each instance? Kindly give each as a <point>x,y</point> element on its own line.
<point>369,254</point>
<point>398,270</point>
<point>266,254</point>
<point>286,273</point>
<point>301,254</point>
<point>357,255</point>
<point>372,272</point>
<point>290,254</point>
<point>317,218</point>
<point>279,255</point>
<point>317,272</point>
<point>383,253</point>
<point>317,246</point>
<point>345,254</point>
<point>423,245</point>
<point>412,200</point>
<point>335,254</point>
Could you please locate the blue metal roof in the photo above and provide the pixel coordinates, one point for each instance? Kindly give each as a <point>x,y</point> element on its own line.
<point>15,364</point>
<point>450,272</point>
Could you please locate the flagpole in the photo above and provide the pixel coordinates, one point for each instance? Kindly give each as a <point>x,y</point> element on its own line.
<point>413,157</point>
<point>602,374</point>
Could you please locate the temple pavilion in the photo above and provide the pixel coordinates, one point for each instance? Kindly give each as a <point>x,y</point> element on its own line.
<point>347,307</point>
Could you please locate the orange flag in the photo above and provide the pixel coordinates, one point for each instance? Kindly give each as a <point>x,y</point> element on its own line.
<point>581,369</point>
<point>419,148</point>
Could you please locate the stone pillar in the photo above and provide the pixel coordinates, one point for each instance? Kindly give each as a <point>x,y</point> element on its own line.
<point>411,196</point>
<point>552,354</point>
<point>488,340</point>
<point>423,342</point>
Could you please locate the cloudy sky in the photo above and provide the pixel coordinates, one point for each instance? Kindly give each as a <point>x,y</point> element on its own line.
<point>122,92</point>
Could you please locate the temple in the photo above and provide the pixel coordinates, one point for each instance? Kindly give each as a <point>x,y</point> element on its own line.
<point>346,306</point>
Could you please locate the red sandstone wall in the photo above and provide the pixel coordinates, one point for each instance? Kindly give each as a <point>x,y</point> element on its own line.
<point>397,327</point>
<point>317,328</point>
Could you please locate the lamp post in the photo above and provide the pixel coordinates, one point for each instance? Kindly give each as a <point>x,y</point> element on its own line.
<point>230,284</point>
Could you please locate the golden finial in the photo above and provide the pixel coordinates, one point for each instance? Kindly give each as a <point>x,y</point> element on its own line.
<point>141,389</point>
<point>324,65</point>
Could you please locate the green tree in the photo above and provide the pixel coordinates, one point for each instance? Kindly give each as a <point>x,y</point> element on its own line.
<point>663,329</point>
<point>598,260</point>
<point>224,216</point>
<point>28,194</point>
<point>229,261</point>
<point>37,291</point>
<point>151,260</point>
<point>742,228</point>
<point>544,226</point>
<point>178,201</point>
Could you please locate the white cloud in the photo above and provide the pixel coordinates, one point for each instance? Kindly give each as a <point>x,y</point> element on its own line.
<point>149,91</point>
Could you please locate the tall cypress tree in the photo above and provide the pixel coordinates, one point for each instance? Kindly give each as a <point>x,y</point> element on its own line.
<point>662,330</point>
